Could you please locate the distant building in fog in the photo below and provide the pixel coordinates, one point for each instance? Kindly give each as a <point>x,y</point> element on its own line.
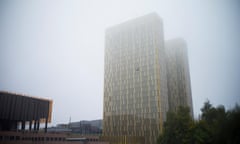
<point>81,127</point>
<point>143,79</point>
<point>86,127</point>
<point>178,77</point>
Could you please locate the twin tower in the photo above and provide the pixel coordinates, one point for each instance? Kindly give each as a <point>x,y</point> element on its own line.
<point>144,77</point>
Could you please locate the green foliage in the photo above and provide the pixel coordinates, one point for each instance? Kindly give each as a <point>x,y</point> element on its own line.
<point>177,128</point>
<point>216,126</point>
<point>232,126</point>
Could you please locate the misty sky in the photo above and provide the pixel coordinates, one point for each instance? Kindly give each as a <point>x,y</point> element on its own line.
<point>55,49</point>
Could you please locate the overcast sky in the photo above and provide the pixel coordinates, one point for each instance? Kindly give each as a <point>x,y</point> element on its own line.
<point>55,49</point>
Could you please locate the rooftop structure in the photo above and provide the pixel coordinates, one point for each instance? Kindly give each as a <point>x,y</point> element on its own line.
<point>18,109</point>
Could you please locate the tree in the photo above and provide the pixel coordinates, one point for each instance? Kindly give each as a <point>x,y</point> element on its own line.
<point>232,126</point>
<point>177,128</point>
<point>215,122</point>
<point>216,126</point>
<point>200,133</point>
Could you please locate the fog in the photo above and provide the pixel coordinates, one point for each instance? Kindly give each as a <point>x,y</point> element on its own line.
<point>55,49</point>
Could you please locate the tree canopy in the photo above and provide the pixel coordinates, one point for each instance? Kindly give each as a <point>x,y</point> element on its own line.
<point>215,126</point>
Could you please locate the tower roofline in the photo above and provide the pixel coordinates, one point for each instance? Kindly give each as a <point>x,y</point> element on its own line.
<point>142,19</point>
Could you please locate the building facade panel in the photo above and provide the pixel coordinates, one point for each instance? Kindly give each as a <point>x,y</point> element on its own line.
<point>17,108</point>
<point>135,91</point>
<point>143,79</point>
<point>178,76</point>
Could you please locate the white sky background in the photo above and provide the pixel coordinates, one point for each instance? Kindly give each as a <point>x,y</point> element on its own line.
<point>55,49</point>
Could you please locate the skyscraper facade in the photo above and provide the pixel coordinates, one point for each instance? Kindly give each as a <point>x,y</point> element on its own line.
<point>136,93</point>
<point>178,77</point>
